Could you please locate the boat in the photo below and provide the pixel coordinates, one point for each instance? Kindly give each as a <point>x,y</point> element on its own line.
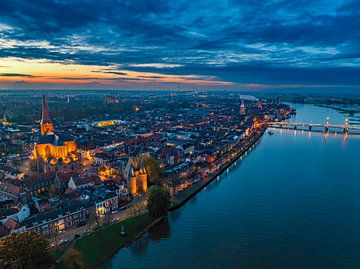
<point>293,111</point>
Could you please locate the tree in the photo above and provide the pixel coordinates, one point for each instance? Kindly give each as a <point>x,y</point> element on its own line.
<point>158,202</point>
<point>136,209</point>
<point>94,217</point>
<point>53,190</point>
<point>152,168</point>
<point>24,250</point>
<point>73,260</point>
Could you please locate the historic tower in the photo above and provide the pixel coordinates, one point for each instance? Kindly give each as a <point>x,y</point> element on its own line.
<point>51,152</point>
<point>242,108</point>
<point>46,124</point>
<point>136,175</point>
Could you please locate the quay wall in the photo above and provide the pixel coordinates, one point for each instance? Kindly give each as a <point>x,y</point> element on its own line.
<point>218,173</point>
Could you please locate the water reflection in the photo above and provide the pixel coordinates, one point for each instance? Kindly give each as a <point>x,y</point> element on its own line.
<point>162,229</point>
<point>159,232</point>
<point>139,246</point>
<point>293,203</point>
<point>174,215</point>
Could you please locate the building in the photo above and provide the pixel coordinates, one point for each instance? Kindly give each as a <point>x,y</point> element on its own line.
<point>20,214</point>
<point>83,182</point>
<point>136,175</point>
<point>51,152</point>
<point>5,121</point>
<point>107,202</point>
<point>53,222</point>
<point>12,191</point>
<point>111,100</point>
<point>242,108</point>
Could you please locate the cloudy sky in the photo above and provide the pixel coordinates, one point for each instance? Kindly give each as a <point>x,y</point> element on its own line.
<point>198,44</point>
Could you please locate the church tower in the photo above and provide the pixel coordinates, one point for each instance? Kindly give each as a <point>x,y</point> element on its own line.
<point>242,107</point>
<point>46,124</point>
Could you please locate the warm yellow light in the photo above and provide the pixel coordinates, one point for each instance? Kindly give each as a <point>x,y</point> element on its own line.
<point>106,123</point>
<point>88,155</point>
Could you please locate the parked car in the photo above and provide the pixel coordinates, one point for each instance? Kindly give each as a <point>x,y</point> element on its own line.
<point>62,241</point>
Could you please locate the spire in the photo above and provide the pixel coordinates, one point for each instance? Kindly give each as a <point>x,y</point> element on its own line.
<point>242,107</point>
<point>46,123</point>
<point>5,121</point>
<point>45,112</point>
<point>242,103</point>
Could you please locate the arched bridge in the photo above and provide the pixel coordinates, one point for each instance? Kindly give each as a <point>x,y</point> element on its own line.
<point>327,126</point>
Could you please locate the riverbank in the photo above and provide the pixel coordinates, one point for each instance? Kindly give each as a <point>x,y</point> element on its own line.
<point>192,191</point>
<point>101,244</point>
<point>262,205</point>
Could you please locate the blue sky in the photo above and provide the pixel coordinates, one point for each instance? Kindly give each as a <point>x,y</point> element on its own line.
<point>147,44</point>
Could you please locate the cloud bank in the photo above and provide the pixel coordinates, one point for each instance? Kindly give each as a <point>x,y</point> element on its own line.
<point>190,44</point>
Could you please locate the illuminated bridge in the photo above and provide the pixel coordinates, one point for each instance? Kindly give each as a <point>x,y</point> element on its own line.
<point>326,127</point>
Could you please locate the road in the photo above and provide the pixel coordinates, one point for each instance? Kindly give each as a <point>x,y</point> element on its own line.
<point>69,234</point>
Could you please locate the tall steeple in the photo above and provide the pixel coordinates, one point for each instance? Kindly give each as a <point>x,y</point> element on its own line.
<point>242,107</point>
<point>5,121</point>
<point>46,124</point>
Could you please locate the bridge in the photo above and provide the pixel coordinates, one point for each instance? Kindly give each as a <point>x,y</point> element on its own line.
<point>326,127</point>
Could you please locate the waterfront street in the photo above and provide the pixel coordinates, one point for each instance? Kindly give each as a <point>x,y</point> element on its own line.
<point>262,214</point>
<point>179,134</point>
<point>236,152</point>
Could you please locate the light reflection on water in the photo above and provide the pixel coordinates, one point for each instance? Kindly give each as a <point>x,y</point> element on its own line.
<point>293,202</point>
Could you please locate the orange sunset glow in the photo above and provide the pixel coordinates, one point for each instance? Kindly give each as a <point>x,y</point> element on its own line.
<point>42,71</point>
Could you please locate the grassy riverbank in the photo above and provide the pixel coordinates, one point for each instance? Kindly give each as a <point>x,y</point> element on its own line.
<point>56,252</point>
<point>103,243</point>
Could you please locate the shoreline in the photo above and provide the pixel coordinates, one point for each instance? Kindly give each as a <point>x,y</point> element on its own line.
<point>212,177</point>
<point>217,173</point>
<point>92,245</point>
<point>136,236</point>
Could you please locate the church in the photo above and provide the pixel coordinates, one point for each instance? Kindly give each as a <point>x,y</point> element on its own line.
<point>51,152</point>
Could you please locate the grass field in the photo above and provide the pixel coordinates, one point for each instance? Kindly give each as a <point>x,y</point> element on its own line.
<point>101,244</point>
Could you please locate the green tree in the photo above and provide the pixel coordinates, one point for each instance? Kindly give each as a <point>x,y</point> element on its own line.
<point>158,202</point>
<point>24,250</point>
<point>137,209</point>
<point>73,260</point>
<point>52,190</point>
<point>153,169</point>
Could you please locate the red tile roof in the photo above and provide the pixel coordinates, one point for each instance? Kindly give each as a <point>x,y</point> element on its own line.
<point>11,224</point>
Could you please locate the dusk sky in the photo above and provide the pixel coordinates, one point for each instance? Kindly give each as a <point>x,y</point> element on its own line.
<point>235,44</point>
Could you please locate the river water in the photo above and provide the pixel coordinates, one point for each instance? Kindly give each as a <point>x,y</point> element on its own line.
<point>292,202</point>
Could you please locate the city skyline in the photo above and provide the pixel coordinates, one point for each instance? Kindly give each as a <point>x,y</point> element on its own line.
<point>230,45</point>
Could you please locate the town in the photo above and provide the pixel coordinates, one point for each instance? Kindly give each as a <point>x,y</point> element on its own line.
<point>63,176</point>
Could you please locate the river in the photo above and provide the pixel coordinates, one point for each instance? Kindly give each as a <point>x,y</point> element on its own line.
<point>292,202</point>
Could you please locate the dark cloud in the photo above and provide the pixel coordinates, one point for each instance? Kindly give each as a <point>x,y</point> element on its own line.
<point>240,41</point>
<point>115,73</point>
<point>14,75</point>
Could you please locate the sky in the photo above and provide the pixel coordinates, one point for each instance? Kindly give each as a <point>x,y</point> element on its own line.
<point>180,45</point>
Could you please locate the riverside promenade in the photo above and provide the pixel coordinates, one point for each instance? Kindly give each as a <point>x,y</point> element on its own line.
<point>93,245</point>
<point>181,198</point>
